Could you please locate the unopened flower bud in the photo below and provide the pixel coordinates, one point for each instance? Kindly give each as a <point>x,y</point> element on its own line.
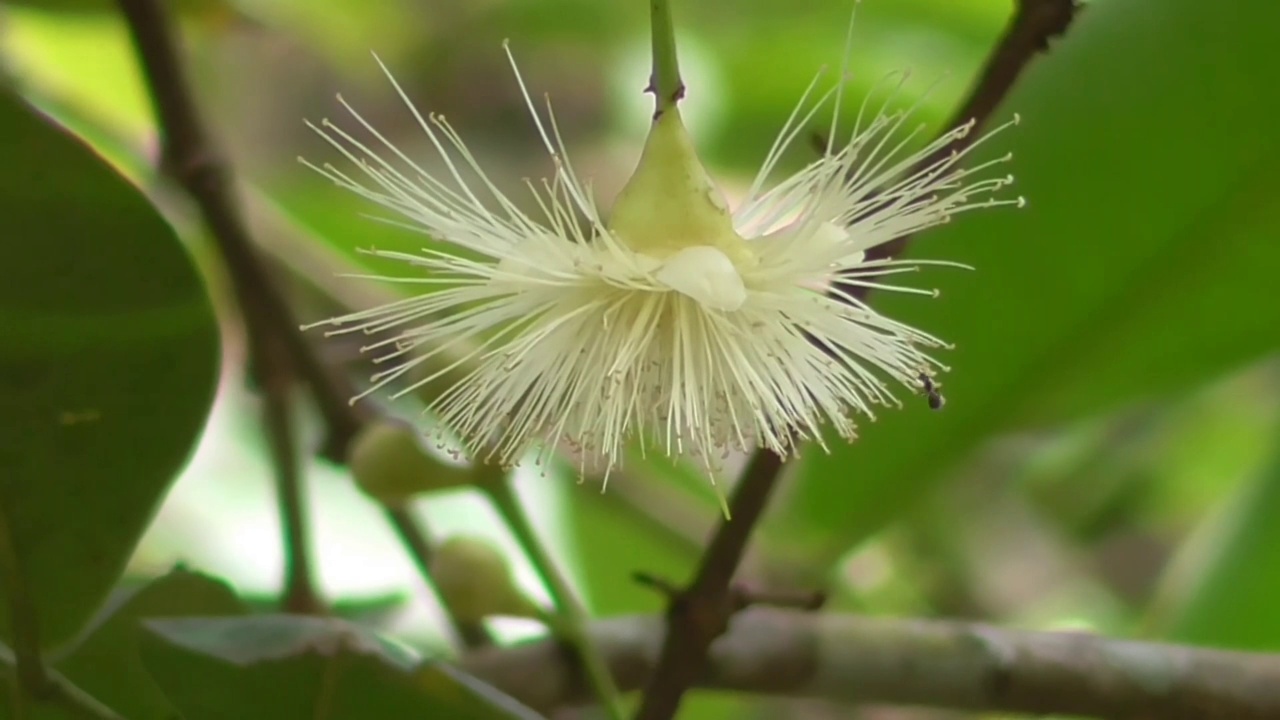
<point>390,464</point>
<point>474,581</point>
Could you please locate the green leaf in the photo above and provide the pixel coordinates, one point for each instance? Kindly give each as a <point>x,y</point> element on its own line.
<point>1225,590</point>
<point>1144,265</point>
<point>372,611</point>
<point>611,543</point>
<point>107,664</point>
<point>287,666</point>
<point>42,709</point>
<point>107,6</point>
<point>108,364</point>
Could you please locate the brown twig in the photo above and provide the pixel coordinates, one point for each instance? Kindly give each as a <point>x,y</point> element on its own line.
<point>279,352</point>
<point>275,349</point>
<point>299,594</point>
<point>190,157</point>
<point>743,596</point>
<point>1034,24</point>
<point>701,613</point>
<point>959,666</point>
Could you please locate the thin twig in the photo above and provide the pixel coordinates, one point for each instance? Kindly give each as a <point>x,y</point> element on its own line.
<point>1034,24</point>
<point>701,613</point>
<point>959,666</point>
<point>299,595</point>
<point>190,157</point>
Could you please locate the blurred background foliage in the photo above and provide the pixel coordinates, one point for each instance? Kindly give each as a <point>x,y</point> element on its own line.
<point>1107,458</point>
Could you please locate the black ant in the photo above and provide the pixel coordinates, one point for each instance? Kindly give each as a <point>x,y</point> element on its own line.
<point>932,391</point>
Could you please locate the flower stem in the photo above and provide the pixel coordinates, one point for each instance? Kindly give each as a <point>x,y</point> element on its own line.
<point>570,620</point>
<point>665,82</point>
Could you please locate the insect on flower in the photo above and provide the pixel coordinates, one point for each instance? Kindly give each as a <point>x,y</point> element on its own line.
<point>673,319</point>
<point>932,391</point>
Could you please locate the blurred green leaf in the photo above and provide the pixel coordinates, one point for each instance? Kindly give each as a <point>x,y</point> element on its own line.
<point>651,518</point>
<point>108,364</point>
<point>281,666</point>
<point>611,543</point>
<point>1144,264</point>
<point>1225,589</point>
<point>370,611</point>
<point>109,6</point>
<point>107,664</point>
<point>1158,468</point>
<point>39,710</point>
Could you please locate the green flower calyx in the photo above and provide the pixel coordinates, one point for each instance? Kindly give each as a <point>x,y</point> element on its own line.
<point>670,204</point>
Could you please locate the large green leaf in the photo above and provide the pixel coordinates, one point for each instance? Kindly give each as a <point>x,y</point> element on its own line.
<point>278,666</point>
<point>1144,264</point>
<point>1226,589</point>
<point>108,363</point>
<point>107,663</point>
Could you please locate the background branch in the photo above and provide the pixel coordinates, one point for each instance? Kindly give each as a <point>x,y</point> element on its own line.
<point>276,352</point>
<point>699,614</point>
<point>299,595</point>
<point>190,157</point>
<point>915,662</point>
<point>278,349</point>
<point>1034,24</point>
<point>569,620</point>
<point>413,536</point>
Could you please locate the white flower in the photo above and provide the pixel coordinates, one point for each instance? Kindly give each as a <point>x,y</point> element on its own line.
<point>675,321</point>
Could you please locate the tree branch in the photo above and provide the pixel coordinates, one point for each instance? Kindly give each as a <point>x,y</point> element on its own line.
<point>1034,24</point>
<point>190,156</point>
<point>299,594</point>
<point>915,662</point>
<point>278,349</point>
<point>700,613</point>
<point>413,536</point>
